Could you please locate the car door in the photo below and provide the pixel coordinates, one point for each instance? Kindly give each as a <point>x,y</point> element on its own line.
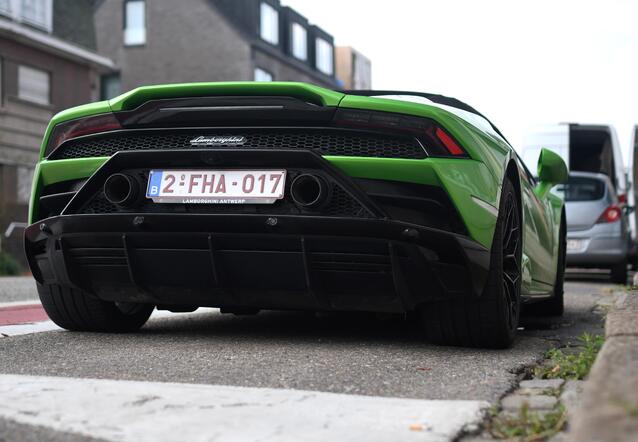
<point>538,237</point>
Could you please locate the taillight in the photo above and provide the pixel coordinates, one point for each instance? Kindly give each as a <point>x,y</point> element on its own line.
<point>622,199</point>
<point>611,214</point>
<point>436,141</point>
<point>450,144</point>
<point>81,127</point>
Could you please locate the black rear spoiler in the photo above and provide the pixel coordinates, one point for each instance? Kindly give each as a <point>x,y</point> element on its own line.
<point>435,98</point>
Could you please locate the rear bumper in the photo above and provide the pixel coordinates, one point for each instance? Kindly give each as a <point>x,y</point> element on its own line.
<point>603,245</point>
<point>283,262</point>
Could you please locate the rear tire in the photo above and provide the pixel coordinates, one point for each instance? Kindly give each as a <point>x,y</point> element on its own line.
<point>554,306</point>
<point>619,273</point>
<point>78,311</point>
<point>491,320</point>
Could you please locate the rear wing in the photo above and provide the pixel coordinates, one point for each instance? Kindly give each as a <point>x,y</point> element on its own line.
<point>306,92</point>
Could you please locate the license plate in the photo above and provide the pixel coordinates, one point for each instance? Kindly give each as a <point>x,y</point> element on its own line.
<point>216,186</point>
<point>575,245</point>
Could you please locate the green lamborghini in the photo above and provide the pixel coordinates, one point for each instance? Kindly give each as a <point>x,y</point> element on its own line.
<point>250,196</point>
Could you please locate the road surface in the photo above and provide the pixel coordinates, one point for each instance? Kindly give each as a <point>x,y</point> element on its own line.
<point>273,376</point>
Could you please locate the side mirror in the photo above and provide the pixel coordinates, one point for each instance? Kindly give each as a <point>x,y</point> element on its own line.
<point>552,170</point>
<point>628,210</point>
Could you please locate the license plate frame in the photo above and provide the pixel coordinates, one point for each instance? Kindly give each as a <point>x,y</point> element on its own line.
<point>219,186</point>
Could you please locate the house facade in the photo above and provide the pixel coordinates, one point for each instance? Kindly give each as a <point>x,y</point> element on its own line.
<point>47,63</point>
<point>166,41</point>
<point>353,69</point>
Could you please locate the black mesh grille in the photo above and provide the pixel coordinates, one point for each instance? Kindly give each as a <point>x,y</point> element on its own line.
<point>326,142</point>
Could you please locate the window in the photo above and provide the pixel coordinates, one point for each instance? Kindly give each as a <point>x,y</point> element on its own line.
<point>134,22</point>
<point>581,189</point>
<point>262,75</point>
<point>324,59</point>
<point>33,85</point>
<point>362,73</point>
<point>111,86</point>
<point>5,7</point>
<point>269,24</point>
<point>38,13</point>
<point>299,42</point>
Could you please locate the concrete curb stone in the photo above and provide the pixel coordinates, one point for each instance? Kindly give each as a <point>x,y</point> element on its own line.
<point>609,407</point>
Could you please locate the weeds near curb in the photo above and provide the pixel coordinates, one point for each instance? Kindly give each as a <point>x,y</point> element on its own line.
<point>571,366</point>
<point>528,426</point>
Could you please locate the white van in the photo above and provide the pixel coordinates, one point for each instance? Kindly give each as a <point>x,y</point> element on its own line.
<point>584,147</point>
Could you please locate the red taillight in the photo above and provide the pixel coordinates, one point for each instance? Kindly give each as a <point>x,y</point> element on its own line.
<point>622,199</point>
<point>81,127</point>
<point>611,214</point>
<point>448,142</point>
<point>437,142</point>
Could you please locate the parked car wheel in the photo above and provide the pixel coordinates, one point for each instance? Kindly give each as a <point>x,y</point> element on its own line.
<point>619,273</point>
<point>78,311</point>
<point>491,320</point>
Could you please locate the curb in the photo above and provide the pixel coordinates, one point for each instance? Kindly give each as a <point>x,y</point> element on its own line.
<point>609,408</point>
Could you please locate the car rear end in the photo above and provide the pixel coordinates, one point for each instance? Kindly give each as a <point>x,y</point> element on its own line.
<point>269,196</point>
<point>597,234</point>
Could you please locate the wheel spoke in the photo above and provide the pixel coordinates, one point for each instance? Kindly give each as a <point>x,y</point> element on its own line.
<point>512,278</point>
<point>511,258</point>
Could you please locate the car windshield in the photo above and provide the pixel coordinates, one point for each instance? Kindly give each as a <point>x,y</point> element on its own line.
<point>581,189</point>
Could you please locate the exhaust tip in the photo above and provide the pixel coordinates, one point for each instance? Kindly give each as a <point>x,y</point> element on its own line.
<point>121,189</point>
<point>308,190</point>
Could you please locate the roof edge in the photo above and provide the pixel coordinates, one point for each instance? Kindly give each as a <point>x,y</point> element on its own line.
<point>55,45</point>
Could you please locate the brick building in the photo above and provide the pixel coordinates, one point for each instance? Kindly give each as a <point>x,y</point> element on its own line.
<point>47,63</point>
<point>167,41</point>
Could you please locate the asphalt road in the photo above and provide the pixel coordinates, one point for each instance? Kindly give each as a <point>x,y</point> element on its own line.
<point>348,354</point>
<point>336,353</point>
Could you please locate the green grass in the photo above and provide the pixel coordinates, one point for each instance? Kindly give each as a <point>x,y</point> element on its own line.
<point>571,366</point>
<point>528,426</point>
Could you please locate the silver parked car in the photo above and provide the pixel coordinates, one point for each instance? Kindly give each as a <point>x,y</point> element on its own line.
<point>597,228</point>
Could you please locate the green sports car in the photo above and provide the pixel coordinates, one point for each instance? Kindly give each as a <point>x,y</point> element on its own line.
<point>248,196</point>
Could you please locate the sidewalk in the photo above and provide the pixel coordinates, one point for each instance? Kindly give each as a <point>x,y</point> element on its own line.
<point>609,408</point>
<point>17,288</point>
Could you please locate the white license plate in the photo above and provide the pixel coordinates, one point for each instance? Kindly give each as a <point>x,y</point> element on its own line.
<point>575,245</point>
<point>216,186</point>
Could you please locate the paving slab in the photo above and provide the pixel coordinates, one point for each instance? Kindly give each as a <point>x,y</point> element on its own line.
<point>540,402</point>
<point>571,397</point>
<point>543,384</point>
<point>151,411</point>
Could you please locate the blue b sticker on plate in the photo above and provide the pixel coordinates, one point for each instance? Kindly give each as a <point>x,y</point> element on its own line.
<point>154,184</point>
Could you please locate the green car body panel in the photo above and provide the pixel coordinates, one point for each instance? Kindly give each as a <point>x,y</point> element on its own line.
<point>473,184</point>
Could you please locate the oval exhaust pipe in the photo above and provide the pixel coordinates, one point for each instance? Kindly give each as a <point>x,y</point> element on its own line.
<point>308,191</point>
<point>121,189</point>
